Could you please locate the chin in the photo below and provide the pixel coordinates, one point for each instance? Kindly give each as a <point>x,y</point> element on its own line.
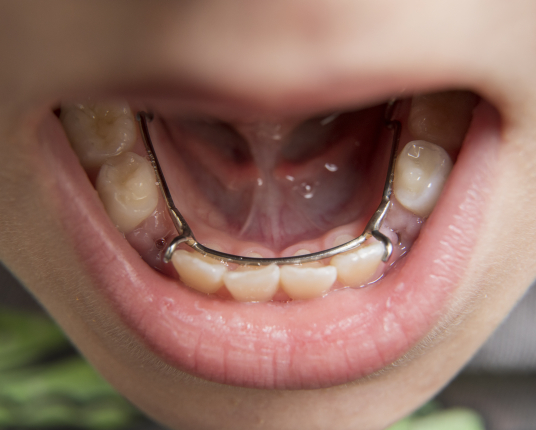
<point>375,328</point>
<point>276,165</point>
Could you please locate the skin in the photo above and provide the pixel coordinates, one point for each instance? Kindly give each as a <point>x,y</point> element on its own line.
<point>302,57</point>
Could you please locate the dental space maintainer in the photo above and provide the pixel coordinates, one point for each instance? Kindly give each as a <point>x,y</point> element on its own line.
<point>186,236</point>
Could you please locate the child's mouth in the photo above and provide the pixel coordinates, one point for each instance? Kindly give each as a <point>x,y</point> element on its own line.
<point>275,187</point>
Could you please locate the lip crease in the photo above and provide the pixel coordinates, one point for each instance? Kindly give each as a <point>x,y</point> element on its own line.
<point>317,343</point>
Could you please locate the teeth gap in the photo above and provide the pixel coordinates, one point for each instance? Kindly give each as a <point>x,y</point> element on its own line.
<point>105,139</point>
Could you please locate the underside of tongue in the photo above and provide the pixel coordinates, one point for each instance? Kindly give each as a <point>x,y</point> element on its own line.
<point>278,181</point>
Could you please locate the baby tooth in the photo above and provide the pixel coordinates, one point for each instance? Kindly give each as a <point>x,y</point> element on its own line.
<point>127,187</point>
<point>355,268</point>
<point>253,285</point>
<point>198,272</point>
<point>307,282</point>
<point>421,171</point>
<point>98,131</point>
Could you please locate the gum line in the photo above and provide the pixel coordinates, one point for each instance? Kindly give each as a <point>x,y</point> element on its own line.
<point>152,246</point>
<point>152,236</point>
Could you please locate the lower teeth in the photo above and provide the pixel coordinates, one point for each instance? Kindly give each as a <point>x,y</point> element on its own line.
<point>307,282</point>
<point>253,285</point>
<point>422,168</point>
<point>127,188</point>
<point>98,131</point>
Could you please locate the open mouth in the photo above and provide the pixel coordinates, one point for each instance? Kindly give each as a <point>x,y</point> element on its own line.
<point>277,187</point>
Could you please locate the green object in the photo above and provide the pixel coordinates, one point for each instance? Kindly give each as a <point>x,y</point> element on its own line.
<point>66,392</point>
<point>404,424</point>
<point>72,378</point>
<point>27,337</point>
<point>450,419</point>
<point>431,417</point>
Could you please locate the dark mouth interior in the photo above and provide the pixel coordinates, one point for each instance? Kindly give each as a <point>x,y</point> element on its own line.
<point>277,181</point>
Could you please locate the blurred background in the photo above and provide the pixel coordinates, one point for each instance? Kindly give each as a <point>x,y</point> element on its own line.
<point>45,384</point>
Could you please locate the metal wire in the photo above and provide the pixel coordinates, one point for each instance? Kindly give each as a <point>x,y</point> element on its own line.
<point>186,236</point>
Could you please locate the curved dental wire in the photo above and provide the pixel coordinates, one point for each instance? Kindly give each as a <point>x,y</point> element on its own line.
<point>186,236</point>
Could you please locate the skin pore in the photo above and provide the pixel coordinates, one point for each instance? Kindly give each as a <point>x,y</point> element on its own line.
<point>289,57</point>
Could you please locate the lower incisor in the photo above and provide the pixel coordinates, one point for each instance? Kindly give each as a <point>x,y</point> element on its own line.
<point>307,282</point>
<point>201,273</point>
<point>356,268</point>
<point>253,285</point>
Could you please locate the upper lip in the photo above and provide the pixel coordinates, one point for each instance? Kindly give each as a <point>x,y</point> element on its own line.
<point>317,343</point>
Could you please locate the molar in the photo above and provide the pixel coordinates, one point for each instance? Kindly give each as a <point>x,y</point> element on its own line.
<point>422,168</point>
<point>127,188</point>
<point>356,268</point>
<point>253,284</point>
<point>307,282</point>
<point>201,273</point>
<point>98,131</point>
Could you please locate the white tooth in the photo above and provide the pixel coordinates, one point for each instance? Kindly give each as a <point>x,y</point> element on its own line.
<point>127,187</point>
<point>355,268</point>
<point>300,252</point>
<point>201,273</point>
<point>253,285</point>
<point>307,282</point>
<point>421,171</point>
<point>98,131</point>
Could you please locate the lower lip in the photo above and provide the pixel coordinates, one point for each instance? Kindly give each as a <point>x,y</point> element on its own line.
<point>342,337</point>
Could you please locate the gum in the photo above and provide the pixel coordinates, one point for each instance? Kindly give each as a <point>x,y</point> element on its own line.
<point>151,238</point>
<point>400,226</point>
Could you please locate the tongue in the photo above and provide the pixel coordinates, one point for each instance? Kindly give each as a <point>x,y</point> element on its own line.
<point>278,182</point>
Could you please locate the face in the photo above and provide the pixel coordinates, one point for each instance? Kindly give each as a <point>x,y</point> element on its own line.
<point>353,358</point>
